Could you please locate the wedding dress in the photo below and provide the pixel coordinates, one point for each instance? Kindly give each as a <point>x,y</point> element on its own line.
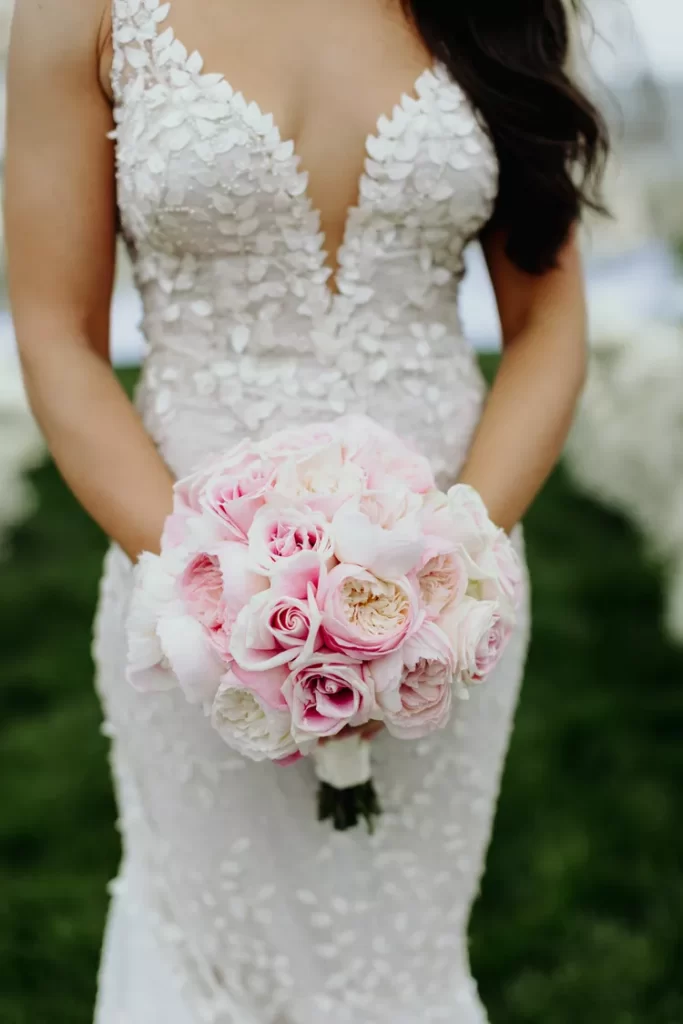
<point>234,905</point>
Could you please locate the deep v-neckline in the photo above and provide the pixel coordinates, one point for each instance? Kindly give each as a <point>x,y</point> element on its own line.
<point>385,127</point>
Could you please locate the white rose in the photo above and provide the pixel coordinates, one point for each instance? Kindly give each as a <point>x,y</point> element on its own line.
<point>479,634</point>
<point>248,725</point>
<point>473,531</point>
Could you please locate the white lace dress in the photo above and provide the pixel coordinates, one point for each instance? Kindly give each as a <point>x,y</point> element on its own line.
<point>234,905</point>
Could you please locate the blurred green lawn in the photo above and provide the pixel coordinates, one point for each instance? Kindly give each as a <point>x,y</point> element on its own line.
<point>580,916</point>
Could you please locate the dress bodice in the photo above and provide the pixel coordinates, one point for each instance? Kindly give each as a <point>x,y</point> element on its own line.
<point>246,330</point>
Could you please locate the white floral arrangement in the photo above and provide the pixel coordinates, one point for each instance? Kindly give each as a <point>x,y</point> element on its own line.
<point>626,448</point>
<point>21,448</point>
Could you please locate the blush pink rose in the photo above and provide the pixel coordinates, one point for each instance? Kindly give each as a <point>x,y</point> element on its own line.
<point>364,616</point>
<point>278,535</point>
<point>442,577</point>
<point>201,588</point>
<point>414,686</point>
<point>276,630</point>
<point>325,694</point>
<point>213,588</point>
<point>219,501</point>
<point>234,498</point>
<point>479,634</point>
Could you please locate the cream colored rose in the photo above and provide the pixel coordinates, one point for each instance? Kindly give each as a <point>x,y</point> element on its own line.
<point>247,724</point>
<point>365,616</point>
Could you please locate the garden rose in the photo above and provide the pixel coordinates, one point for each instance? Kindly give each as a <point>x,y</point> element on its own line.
<point>249,725</point>
<point>365,616</point>
<point>442,577</point>
<point>215,586</point>
<point>414,686</point>
<point>325,694</point>
<point>278,535</point>
<point>479,634</point>
<point>235,497</point>
<point>230,496</point>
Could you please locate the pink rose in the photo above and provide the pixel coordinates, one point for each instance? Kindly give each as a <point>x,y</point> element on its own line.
<point>224,497</point>
<point>364,616</point>
<point>414,686</point>
<point>442,578</point>
<point>325,694</point>
<point>234,498</point>
<point>276,629</point>
<point>201,588</point>
<point>278,535</point>
<point>479,634</point>
<point>214,587</point>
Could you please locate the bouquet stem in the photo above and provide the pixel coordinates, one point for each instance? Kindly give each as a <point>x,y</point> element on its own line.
<point>347,793</point>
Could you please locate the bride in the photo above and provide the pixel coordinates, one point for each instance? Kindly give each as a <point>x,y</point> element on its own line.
<point>298,257</point>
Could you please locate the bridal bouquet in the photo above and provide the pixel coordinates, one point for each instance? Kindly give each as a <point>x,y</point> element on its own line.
<point>314,583</point>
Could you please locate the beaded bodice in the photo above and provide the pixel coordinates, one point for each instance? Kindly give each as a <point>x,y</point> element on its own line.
<point>247,326</point>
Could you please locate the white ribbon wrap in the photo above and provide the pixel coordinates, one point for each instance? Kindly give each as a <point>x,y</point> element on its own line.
<point>343,763</point>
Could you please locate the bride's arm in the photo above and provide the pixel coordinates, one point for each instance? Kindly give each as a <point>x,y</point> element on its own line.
<point>60,218</point>
<point>532,402</point>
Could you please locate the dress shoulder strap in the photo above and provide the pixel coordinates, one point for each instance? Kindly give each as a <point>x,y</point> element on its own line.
<point>134,30</point>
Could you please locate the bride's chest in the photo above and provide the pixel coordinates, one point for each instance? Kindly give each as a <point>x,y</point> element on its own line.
<point>202,169</point>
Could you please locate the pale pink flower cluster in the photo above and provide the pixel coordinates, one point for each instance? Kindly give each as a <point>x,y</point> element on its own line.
<point>318,580</point>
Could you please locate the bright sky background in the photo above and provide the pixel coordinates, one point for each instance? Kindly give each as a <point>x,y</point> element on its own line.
<point>648,32</point>
<point>660,23</point>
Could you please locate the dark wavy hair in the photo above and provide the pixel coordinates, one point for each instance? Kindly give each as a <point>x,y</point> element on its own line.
<point>510,57</point>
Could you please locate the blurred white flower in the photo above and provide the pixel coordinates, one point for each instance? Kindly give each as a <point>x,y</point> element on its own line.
<point>626,448</point>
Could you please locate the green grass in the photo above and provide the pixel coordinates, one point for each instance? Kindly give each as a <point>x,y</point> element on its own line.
<point>580,916</point>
